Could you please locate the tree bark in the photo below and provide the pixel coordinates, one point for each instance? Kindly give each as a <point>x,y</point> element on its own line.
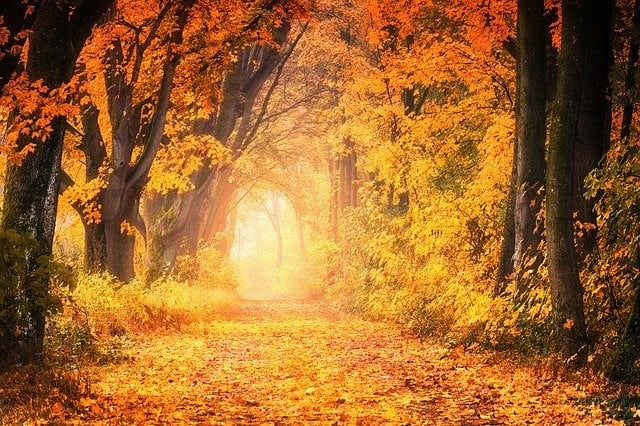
<point>566,289</point>
<point>222,194</point>
<point>507,249</point>
<point>124,188</point>
<point>531,78</point>
<point>95,153</point>
<point>592,138</point>
<point>31,190</point>
<point>630,74</point>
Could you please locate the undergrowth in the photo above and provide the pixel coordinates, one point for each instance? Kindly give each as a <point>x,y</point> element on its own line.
<point>101,317</point>
<point>114,309</point>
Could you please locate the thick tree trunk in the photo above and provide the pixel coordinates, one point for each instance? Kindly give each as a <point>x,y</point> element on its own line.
<point>95,153</point>
<point>120,252</point>
<point>592,138</point>
<point>166,215</point>
<point>30,206</point>
<point>531,78</point>
<point>31,190</point>
<point>566,289</point>
<point>119,216</point>
<point>95,247</point>
<point>124,188</point>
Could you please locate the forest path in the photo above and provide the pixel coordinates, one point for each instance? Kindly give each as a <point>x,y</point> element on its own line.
<point>301,363</point>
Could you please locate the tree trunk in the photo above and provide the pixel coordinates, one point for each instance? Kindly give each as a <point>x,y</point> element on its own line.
<point>124,188</point>
<point>166,217</point>
<point>193,228</point>
<point>300,233</point>
<point>630,74</point>
<point>566,289</point>
<point>507,249</point>
<point>119,217</point>
<point>274,218</point>
<point>592,138</point>
<point>31,190</point>
<point>95,247</point>
<point>30,206</point>
<point>531,124</point>
<point>215,228</point>
<point>95,153</point>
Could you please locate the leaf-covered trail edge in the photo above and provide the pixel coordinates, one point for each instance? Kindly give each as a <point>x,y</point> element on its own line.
<point>298,363</point>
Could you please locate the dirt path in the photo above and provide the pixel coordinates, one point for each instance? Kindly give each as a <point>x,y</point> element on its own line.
<point>296,363</point>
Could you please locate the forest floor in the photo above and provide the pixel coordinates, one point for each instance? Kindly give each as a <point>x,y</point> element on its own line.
<point>301,363</point>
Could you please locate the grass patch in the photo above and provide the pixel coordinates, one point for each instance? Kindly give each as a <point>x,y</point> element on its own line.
<point>114,309</point>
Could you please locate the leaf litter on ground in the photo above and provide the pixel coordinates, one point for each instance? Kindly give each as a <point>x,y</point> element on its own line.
<point>301,363</point>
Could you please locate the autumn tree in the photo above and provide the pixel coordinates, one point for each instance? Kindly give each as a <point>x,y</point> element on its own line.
<point>136,122</point>
<point>58,32</point>
<point>536,69</point>
<point>138,116</point>
<point>17,19</point>
<point>233,126</point>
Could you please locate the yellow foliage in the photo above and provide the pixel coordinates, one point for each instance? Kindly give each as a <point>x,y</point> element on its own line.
<point>113,308</point>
